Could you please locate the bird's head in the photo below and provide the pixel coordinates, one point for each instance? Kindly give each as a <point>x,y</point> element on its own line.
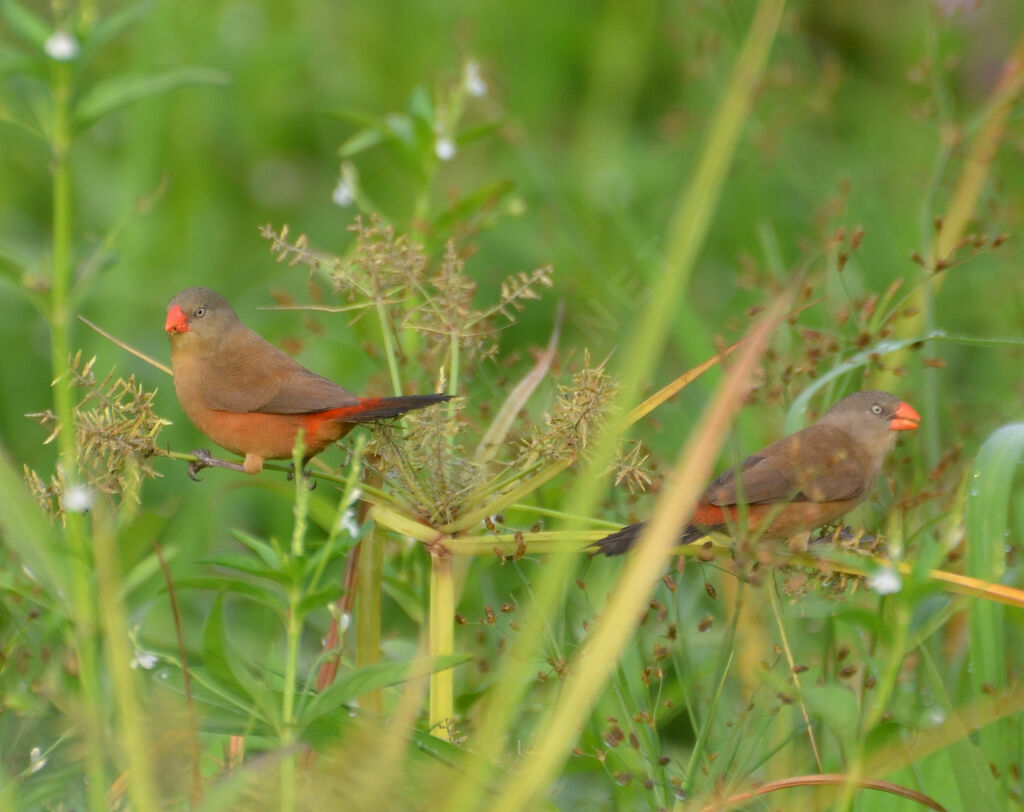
<point>873,417</point>
<point>200,313</point>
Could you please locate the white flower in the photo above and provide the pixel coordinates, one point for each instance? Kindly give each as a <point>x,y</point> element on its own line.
<point>61,46</point>
<point>348,522</point>
<point>36,760</point>
<point>885,581</point>
<point>79,499</point>
<point>144,660</point>
<point>444,148</point>
<point>344,622</point>
<point>342,195</point>
<point>472,80</point>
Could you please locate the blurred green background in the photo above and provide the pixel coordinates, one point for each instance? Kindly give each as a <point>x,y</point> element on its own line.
<point>860,122</point>
<point>604,105</point>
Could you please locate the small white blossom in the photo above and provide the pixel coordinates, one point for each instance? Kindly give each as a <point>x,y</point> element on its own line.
<point>885,581</point>
<point>36,760</point>
<point>144,660</point>
<point>444,148</point>
<point>348,522</point>
<point>342,195</point>
<point>472,80</point>
<point>61,46</point>
<point>79,499</point>
<point>344,622</point>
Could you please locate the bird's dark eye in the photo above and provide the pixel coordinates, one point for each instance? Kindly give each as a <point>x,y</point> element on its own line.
<point>200,312</point>
<point>876,409</point>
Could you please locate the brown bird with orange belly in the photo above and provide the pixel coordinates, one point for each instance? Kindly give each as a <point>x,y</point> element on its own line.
<point>800,482</point>
<point>250,397</point>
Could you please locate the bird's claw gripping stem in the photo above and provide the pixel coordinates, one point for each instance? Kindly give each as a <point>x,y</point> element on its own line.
<point>204,459</point>
<point>305,475</point>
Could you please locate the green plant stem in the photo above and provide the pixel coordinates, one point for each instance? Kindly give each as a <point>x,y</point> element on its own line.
<point>884,690</point>
<point>502,481</point>
<point>77,529</point>
<point>467,520</point>
<point>453,369</point>
<point>344,503</point>
<point>293,626</point>
<point>389,347</point>
<point>561,514</point>
<point>135,744</point>
<point>442,641</point>
<point>291,666</point>
<point>421,209</point>
<point>300,511</point>
<point>368,621</point>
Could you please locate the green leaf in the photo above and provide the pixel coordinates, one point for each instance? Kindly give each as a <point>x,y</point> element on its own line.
<point>869,621</point>
<point>362,140</point>
<point>988,504</point>
<point>215,651</point>
<point>405,596</point>
<point>371,677</point>
<point>26,24</point>
<point>266,551</point>
<point>237,587</point>
<point>974,776</point>
<point>476,133</point>
<point>12,60</point>
<point>225,667</point>
<point>401,127</point>
<point>974,779</point>
<point>486,197</point>
<point>320,599</point>
<point>989,487</point>
<point>360,117</point>
<point>12,262</point>
<point>243,563</point>
<point>837,707</point>
<point>29,535</point>
<point>120,91</point>
<point>110,26</point>
<point>421,106</point>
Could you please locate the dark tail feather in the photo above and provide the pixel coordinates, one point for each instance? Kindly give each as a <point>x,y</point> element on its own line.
<point>622,541</point>
<point>379,408</point>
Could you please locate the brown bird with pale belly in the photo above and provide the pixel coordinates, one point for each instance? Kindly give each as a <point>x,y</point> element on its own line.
<point>250,397</point>
<point>800,482</point>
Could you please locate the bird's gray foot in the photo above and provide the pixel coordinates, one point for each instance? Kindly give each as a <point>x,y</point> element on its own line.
<point>204,459</point>
<point>305,475</point>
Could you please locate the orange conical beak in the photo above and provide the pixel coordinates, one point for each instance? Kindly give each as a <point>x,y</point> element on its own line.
<point>176,321</point>
<point>905,419</point>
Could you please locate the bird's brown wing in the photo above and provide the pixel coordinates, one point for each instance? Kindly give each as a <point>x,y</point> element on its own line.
<point>818,464</point>
<point>249,374</point>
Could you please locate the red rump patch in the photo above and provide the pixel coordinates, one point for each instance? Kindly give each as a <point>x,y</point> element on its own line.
<point>380,408</point>
<point>711,516</point>
<point>365,408</point>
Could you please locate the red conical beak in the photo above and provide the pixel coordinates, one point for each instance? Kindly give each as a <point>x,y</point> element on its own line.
<point>177,323</point>
<point>905,419</point>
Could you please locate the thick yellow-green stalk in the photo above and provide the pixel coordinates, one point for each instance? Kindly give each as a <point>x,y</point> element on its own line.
<point>442,641</point>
